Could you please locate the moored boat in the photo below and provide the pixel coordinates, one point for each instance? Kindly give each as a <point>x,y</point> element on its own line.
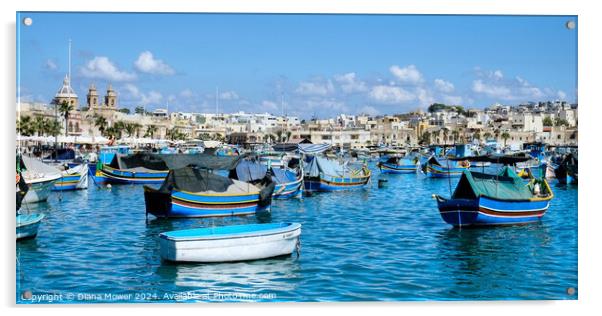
<point>288,182</point>
<point>192,189</point>
<point>28,224</point>
<point>397,165</point>
<point>230,243</point>
<point>323,174</point>
<point>435,168</point>
<point>75,178</point>
<point>495,199</point>
<point>140,168</point>
<point>39,177</point>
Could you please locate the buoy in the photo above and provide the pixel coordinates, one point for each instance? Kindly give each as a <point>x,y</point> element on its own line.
<point>382,183</point>
<point>108,185</point>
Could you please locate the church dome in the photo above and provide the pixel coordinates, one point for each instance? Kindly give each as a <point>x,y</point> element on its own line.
<point>66,91</point>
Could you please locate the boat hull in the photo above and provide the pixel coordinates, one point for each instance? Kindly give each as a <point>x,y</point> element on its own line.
<point>335,184</point>
<point>435,171</point>
<point>39,191</point>
<point>28,225</point>
<point>189,204</point>
<point>261,244</point>
<point>485,211</point>
<point>118,176</point>
<point>288,190</point>
<point>397,169</point>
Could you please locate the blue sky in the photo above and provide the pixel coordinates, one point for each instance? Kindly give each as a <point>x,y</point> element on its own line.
<point>320,65</point>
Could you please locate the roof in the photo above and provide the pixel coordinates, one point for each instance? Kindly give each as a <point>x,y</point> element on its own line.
<point>66,91</point>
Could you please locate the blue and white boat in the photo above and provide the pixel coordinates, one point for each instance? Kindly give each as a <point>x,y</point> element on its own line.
<point>230,243</point>
<point>288,182</point>
<point>323,174</point>
<point>436,168</point>
<point>194,190</point>
<point>40,179</point>
<point>75,178</point>
<point>395,164</point>
<point>495,199</point>
<point>140,168</point>
<point>28,224</point>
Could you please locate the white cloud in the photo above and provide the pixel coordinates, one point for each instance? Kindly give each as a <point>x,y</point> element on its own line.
<point>444,86</point>
<point>147,63</point>
<point>389,94</point>
<point>561,95</point>
<point>269,105</point>
<point>315,88</point>
<point>408,74</point>
<point>134,94</point>
<point>101,67</point>
<point>370,110</point>
<point>452,99</point>
<point>498,74</point>
<point>228,95</point>
<point>50,65</point>
<point>349,83</point>
<point>424,96</point>
<point>491,90</point>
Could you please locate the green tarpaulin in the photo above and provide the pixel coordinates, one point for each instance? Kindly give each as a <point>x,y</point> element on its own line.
<point>506,186</point>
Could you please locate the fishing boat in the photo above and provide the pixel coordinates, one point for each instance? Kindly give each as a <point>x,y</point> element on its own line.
<point>75,178</point>
<point>436,168</point>
<point>288,181</point>
<point>397,165</point>
<point>28,224</point>
<point>192,189</point>
<point>567,169</point>
<point>230,243</point>
<point>39,177</point>
<point>324,174</point>
<point>139,168</point>
<point>495,199</point>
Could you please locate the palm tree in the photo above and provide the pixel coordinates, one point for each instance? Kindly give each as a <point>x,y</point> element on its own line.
<point>150,131</point>
<point>279,135</point>
<point>39,125</point>
<point>25,126</point>
<point>101,123</point>
<point>52,127</point>
<point>477,136</point>
<point>426,137</point>
<point>288,135</point>
<point>130,128</point>
<point>487,135</point>
<point>455,135</point>
<point>65,109</point>
<point>118,128</point>
<point>505,137</point>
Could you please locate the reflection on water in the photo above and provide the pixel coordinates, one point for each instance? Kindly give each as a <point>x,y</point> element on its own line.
<point>374,244</point>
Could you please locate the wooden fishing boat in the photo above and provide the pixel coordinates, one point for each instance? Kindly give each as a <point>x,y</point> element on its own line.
<point>288,182</point>
<point>140,168</point>
<point>397,165</point>
<point>323,174</point>
<point>39,178</point>
<point>443,169</point>
<point>501,199</point>
<point>28,224</point>
<point>75,178</point>
<point>230,243</point>
<point>195,191</point>
<point>566,171</point>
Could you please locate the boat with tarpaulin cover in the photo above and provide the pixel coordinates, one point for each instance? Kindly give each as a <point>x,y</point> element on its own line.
<point>288,181</point>
<point>40,178</point>
<point>495,199</point>
<point>75,178</point>
<point>139,168</point>
<point>391,161</point>
<point>193,189</point>
<point>230,243</point>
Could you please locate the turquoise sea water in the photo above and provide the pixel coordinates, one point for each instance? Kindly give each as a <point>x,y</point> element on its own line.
<point>371,244</point>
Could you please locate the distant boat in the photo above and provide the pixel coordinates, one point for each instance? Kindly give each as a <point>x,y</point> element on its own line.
<point>192,189</point>
<point>39,177</point>
<point>567,169</point>
<point>323,174</point>
<point>230,243</point>
<point>397,165</point>
<point>75,178</point>
<point>436,168</point>
<point>498,199</point>
<point>28,224</point>
<point>140,168</point>
<point>288,182</point>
